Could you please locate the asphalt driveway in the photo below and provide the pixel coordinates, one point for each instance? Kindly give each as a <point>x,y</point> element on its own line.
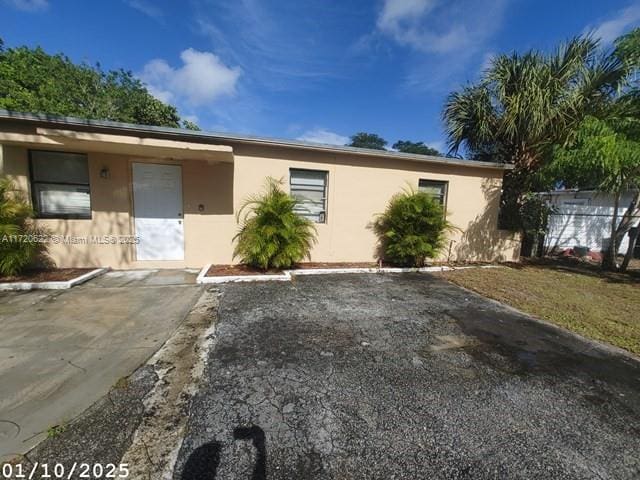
<point>60,351</point>
<point>404,376</point>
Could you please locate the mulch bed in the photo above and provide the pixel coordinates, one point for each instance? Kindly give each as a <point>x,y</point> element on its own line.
<point>233,270</point>
<point>47,275</point>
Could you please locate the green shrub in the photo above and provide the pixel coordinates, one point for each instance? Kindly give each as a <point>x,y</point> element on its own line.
<point>272,234</point>
<point>412,229</point>
<point>15,227</point>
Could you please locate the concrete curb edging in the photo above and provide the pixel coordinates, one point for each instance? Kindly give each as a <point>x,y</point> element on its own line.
<point>287,275</point>
<point>61,285</point>
<point>203,272</point>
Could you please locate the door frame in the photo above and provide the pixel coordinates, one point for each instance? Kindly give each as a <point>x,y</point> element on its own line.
<point>132,211</point>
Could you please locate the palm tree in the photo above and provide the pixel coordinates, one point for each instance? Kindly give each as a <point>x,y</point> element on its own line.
<point>525,104</point>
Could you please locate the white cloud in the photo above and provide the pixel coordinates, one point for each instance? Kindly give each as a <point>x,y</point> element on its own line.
<point>147,9</point>
<point>396,12</point>
<point>28,5</point>
<point>322,135</point>
<point>433,26</point>
<point>615,26</point>
<point>200,80</point>
<point>448,38</point>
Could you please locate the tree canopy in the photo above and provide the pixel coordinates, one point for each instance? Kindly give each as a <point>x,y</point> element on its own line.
<point>367,140</point>
<point>525,105</point>
<point>32,80</point>
<point>605,156</point>
<point>376,142</point>
<point>605,152</point>
<point>419,148</point>
<point>189,125</point>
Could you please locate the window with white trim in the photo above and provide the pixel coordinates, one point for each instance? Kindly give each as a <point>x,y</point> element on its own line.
<point>60,184</point>
<point>309,188</point>
<point>436,188</point>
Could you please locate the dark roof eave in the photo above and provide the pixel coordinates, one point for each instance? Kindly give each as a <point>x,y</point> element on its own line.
<point>246,139</point>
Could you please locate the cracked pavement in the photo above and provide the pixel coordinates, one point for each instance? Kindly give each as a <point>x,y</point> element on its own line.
<point>404,376</point>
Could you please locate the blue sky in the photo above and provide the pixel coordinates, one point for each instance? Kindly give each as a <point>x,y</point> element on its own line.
<point>307,69</point>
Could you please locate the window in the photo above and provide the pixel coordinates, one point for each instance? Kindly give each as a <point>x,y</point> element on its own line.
<point>309,188</point>
<point>437,189</point>
<point>60,184</point>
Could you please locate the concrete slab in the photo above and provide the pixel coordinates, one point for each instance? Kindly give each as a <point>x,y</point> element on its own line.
<point>62,350</point>
<point>172,277</point>
<point>122,278</point>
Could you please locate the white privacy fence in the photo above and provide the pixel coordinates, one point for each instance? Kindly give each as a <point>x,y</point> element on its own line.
<point>582,225</point>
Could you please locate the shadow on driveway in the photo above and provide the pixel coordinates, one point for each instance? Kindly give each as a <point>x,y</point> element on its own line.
<point>404,376</point>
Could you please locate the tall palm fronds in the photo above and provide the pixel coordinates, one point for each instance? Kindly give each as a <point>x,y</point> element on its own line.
<point>525,103</point>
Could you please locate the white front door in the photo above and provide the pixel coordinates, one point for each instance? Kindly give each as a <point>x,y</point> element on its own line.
<point>157,210</point>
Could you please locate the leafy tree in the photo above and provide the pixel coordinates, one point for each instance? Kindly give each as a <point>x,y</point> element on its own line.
<point>31,80</point>
<point>272,234</point>
<point>419,148</point>
<point>524,105</point>
<point>189,125</point>
<point>367,140</point>
<point>606,156</point>
<point>412,228</point>
<point>16,250</point>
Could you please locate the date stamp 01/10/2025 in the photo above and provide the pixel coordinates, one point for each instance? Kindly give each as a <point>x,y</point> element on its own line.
<point>64,471</point>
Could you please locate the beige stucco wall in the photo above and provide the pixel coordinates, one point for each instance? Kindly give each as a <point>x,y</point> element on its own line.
<point>359,187</point>
<point>206,233</point>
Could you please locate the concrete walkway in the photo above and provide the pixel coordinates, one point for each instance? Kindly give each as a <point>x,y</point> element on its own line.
<point>60,351</point>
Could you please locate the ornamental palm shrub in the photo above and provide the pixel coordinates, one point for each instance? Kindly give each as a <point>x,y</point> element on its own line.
<point>272,234</point>
<point>412,228</point>
<point>17,249</point>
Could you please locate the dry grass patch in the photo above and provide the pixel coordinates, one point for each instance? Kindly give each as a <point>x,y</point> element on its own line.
<point>603,307</point>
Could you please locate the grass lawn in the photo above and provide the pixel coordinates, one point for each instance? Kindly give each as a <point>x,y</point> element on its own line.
<point>605,307</point>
